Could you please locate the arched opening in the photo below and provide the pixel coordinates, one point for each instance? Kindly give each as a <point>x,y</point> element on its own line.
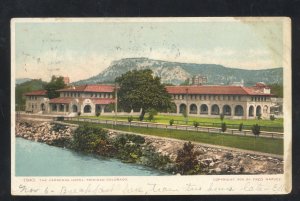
<point>265,110</point>
<point>203,109</point>
<point>258,110</point>
<point>74,108</point>
<point>182,108</point>
<point>87,109</point>
<point>215,110</point>
<point>238,110</point>
<point>43,108</point>
<point>227,110</point>
<point>251,110</point>
<point>193,109</point>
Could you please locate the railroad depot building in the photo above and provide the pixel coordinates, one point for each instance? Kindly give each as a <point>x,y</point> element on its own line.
<point>236,102</point>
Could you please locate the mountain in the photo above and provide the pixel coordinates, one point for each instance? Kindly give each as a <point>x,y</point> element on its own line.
<point>176,73</point>
<point>22,80</point>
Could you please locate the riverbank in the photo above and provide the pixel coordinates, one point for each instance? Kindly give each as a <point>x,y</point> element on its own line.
<point>157,152</point>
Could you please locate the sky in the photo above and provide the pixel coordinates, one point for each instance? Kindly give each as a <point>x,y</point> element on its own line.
<point>80,49</point>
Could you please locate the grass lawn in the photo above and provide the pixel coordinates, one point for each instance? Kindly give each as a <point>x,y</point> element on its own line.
<point>267,145</point>
<point>278,123</point>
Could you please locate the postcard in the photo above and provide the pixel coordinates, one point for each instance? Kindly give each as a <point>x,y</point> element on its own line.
<point>151,106</point>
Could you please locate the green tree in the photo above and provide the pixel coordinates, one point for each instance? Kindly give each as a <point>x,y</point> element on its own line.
<point>255,130</point>
<point>56,83</point>
<point>222,116</point>
<point>139,89</point>
<point>152,112</point>
<point>277,89</point>
<point>196,124</point>
<point>223,127</point>
<point>26,87</point>
<point>241,127</point>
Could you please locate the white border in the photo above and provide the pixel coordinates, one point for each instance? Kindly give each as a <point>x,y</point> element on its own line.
<point>161,185</point>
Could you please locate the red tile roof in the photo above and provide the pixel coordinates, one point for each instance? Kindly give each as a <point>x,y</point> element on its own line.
<point>215,90</point>
<point>68,100</point>
<point>36,93</point>
<point>61,100</point>
<point>89,88</point>
<point>103,101</point>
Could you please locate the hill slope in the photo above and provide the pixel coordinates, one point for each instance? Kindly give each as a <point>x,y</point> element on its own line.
<point>176,73</point>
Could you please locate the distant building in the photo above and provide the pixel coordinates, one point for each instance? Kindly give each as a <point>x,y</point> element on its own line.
<point>241,83</point>
<point>197,80</point>
<point>66,80</point>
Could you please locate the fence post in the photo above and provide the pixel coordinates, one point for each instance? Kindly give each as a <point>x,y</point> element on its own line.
<point>232,132</point>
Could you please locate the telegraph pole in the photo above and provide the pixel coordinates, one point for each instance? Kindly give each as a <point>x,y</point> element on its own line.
<point>116,102</point>
<point>187,110</point>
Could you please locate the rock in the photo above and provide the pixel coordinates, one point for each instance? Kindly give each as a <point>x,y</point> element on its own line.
<point>217,170</point>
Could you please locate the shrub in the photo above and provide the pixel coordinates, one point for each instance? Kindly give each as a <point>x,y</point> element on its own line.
<point>196,124</point>
<point>130,119</point>
<point>272,117</point>
<point>255,130</point>
<point>152,113</point>
<point>78,113</point>
<point>89,139</point>
<point>222,116</point>
<point>223,127</point>
<point>171,122</point>
<point>259,116</point>
<point>186,160</point>
<point>241,127</point>
<point>97,114</point>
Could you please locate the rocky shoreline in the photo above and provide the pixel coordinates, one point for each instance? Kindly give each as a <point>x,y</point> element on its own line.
<point>211,160</point>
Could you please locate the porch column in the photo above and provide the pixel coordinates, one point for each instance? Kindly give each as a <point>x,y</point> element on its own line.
<point>178,108</point>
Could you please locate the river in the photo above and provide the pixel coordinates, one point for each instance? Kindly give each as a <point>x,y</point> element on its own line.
<point>39,159</point>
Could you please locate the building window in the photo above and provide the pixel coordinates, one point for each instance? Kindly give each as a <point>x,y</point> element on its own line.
<point>215,110</point>
<point>227,110</point>
<point>87,109</point>
<point>203,109</point>
<point>238,111</point>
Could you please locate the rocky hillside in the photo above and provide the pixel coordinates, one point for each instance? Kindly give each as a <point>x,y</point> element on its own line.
<point>177,73</point>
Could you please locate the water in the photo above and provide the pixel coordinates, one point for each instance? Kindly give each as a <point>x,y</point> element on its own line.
<point>38,159</point>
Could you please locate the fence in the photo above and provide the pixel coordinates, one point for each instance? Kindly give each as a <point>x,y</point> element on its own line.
<point>173,127</point>
<point>234,126</point>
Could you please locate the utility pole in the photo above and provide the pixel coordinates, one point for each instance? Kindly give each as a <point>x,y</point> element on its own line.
<point>187,110</point>
<point>116,102</point>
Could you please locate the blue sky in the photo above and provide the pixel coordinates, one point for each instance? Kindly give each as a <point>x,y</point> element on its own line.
<point>83,49</point>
